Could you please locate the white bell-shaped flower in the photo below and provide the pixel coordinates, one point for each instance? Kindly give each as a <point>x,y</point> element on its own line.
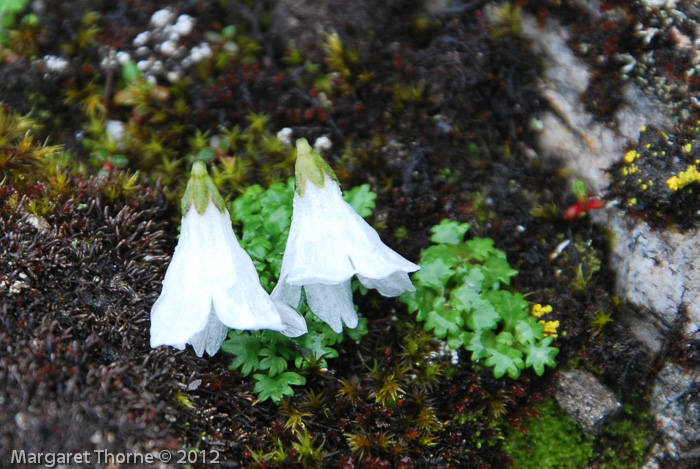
<point>329,243</point>
<point>211,283</point>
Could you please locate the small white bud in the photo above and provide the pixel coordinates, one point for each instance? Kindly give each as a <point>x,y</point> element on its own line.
<point>142,39</point>
<point>168,47</point>
<point>123,57</point>
<point>56,64</point>
<point>162,18</point>
<point>143,65</point>
<point>143,51</point>
<point>322,144</point>
<point>285,136</point>
<point>184,25</point>
<point>115,129</point>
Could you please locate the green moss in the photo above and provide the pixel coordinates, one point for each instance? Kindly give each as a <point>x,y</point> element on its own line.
<point>23,159</point>
<point>551,439</point>
<point>625,441</point>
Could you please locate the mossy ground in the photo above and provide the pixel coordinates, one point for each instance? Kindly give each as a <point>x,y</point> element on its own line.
<point>433,109</point>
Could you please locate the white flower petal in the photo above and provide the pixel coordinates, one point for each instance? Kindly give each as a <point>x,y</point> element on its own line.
<point>294,323</point>
<point>183,307</point>
<point>240,301</point>
<point>329,242</point>
<point>211,338</point>
<point>393,285</point>
<point>333,304</point>
<point>286,293</point>
<point>210,283</point>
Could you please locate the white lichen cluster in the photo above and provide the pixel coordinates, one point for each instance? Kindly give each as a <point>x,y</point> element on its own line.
<point>211,283</point>
<point>158,52</point>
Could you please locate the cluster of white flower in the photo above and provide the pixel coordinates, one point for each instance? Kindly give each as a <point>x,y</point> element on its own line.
<point>211,283</point>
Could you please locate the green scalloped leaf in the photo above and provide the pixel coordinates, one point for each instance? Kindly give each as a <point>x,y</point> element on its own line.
<point>246,347</point>
<point>497,270</point>
<point>445,252</point>
<point>475,344</point>
<point>276,387</point>
<point>449,232</point>
<point>481,249</point>
<point>433,274</point>
<point>318,346</point>
<point>541,354</point>
<point>528,331</point>
<point>512,307</point>
<point>272,362</point>
<point>278,221</point>
<point>443,320</point>
<point>361,199</point>
<point>505,360</point>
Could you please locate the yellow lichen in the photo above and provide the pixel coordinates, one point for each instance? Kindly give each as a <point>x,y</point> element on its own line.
<point>538,310</point>
<point>630,156</point>
<point>550,328</point>
<point>684,178</point>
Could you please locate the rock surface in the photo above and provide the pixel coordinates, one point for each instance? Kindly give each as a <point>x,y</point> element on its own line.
<point>677,407</point>
<point>654,269</point>
<point>585,399</point>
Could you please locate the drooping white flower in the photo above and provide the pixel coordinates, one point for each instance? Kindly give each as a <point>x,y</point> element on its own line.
<point>211,283</point>
<point>329,243</point>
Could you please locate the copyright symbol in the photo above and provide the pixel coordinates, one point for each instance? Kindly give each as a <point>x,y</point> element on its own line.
<point>165,455</point>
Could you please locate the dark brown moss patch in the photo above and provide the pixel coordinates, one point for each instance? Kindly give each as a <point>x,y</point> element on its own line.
<point>77,372</point>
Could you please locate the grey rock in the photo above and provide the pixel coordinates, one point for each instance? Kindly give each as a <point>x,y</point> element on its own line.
<point>655,269</point>
<point>585,399</point>
<point>676,402</point>
<point>570,133</point>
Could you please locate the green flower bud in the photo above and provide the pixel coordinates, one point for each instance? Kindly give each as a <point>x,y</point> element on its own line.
<point>310,165</point>
<point>200,190</point>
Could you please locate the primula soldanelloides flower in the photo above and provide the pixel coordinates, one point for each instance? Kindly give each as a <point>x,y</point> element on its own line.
<point>329,243</point>
<point>211,283</point>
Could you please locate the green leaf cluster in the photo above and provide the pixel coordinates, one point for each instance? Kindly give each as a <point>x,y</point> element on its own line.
<point>9,9</point>
<point>277,362</point>
<point>462,297</point>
